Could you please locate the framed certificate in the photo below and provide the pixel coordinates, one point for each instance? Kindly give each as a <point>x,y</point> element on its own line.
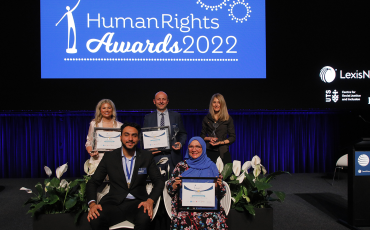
<point>106,139</point>
<point>156,138</point>
<point>198,194</point>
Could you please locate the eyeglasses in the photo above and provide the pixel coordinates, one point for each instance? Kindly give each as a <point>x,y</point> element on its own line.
<point>197,147</point>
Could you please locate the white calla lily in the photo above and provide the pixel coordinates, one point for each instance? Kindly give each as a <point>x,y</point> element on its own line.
<point>236,167</point>
<point>257,171</point>
<point>61,170</point>
<point>241,178</point>
<point>255,161</point>
<point>162,161</point>
<point>63,183</point>
<point>233,199</point>
<point>220,165</point>
<point>26,189</point>
<point>246,166</point>
<point>48,171</point>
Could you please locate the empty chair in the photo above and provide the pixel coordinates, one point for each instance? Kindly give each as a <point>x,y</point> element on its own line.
<point>341,163</point>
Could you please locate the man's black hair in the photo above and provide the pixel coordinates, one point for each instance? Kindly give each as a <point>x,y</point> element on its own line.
<point>131,124</point>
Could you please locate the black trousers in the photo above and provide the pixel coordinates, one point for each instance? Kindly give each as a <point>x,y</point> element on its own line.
<point>114,214</point>
<point>213,155</point>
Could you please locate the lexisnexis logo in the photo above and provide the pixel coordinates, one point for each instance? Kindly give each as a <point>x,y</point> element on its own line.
<point>328,74</point>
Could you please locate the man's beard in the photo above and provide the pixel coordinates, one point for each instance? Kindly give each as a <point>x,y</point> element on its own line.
<point>124,146</point>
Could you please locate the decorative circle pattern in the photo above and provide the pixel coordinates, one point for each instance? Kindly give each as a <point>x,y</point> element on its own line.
<point>237,4</point>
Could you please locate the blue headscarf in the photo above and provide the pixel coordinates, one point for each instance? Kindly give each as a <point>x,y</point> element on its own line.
<point>202,166</point>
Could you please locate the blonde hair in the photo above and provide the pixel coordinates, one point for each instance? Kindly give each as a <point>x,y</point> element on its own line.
<point>224,114</point>
<point>99,116</point>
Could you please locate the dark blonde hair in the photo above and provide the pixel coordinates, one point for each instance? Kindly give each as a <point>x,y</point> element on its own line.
<point>224,114</point>
<point>99,116</point>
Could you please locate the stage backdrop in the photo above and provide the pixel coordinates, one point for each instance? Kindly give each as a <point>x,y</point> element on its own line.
<point>294,141</point>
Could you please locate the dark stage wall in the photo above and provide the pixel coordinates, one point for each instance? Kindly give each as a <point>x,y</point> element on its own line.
<point>294,141</point>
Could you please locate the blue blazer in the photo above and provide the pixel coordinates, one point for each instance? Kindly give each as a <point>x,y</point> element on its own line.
<point>150,120</point>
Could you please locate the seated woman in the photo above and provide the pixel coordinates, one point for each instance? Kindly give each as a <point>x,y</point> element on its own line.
<point>196,164</point>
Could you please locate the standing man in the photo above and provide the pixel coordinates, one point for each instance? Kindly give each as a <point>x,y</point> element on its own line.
<point>164,117</point>
<point>128,168</point>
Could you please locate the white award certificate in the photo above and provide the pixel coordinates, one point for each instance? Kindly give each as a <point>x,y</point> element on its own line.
<point>198,194</point>
<point>155,139</point>
<point>108,140</point>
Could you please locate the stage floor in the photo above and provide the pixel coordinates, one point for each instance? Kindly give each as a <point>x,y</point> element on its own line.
<point>311,202</point>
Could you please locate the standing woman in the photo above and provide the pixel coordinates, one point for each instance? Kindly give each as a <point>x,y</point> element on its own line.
<point>218,130</point>
<point>105,116</point>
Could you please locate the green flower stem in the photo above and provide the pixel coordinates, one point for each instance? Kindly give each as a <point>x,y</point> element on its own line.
<point>65,197</point>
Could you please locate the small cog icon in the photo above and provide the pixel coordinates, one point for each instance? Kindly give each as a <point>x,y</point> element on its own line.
<point>238,4</point>
<point>212,7</point>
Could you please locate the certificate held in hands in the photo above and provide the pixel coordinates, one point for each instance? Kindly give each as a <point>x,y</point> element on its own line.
<point>106,139</point>
<point>156,138</point>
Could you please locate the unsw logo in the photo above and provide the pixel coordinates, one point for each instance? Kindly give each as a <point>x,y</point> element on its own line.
<point>331,96</point>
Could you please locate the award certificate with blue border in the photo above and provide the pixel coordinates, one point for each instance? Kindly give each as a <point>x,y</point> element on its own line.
<point>198,194</point>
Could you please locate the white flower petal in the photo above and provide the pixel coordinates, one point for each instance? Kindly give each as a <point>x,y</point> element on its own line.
<point>246,166</point>
<point>61,170</point>
<point>255,161</point>
<point>48,171</point>
<point>220,165</point>
<point>63,183</point>
<point>26,189</point>
<point>233,199</point>
<point>162,172</point>
<point>241,178</point>
<point>162,161</point>
<point>236,167</point>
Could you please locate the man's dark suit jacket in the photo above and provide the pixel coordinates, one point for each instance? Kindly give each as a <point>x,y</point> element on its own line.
<point>150,120</point>
<point>111,164</point>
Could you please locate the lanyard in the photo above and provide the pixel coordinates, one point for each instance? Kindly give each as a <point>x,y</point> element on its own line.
<point>127,171</point>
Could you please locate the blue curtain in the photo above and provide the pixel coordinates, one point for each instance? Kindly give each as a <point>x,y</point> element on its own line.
<point>294,141</point>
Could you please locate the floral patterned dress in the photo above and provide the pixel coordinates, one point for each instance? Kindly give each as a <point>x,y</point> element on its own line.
<point>193,220</point>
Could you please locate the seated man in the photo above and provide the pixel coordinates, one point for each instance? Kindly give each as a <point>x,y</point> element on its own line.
<point>128,168</point>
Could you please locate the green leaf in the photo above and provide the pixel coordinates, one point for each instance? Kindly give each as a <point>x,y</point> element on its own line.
<point>228,169</point>
<point>71,202</point>
<point>37,207</point>
<point>240,209</point>
<point>240,194</point>
<point>53,198</point>
<point>280,195</point>
<point>262,186</point>
<point>54,182</point>
<point>274,174</point>
<point>39,189</point>
<point>250,209</point>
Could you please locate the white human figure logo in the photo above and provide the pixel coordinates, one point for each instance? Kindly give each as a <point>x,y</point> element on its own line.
<point>71,25</point>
